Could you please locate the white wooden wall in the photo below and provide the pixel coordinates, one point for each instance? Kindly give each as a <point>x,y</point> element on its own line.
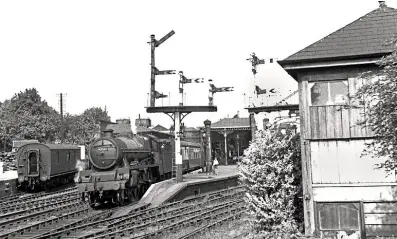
<point>340,162</point>
<point>355,193</point>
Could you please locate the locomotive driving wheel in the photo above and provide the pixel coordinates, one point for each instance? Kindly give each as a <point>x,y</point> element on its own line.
<point>91,200</point>
<point>120,197</point>
<point>130,194</point>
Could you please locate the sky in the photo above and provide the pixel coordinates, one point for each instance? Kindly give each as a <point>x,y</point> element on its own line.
<point>97,52</point>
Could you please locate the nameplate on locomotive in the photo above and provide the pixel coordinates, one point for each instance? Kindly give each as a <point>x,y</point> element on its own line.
<point>102,149</point>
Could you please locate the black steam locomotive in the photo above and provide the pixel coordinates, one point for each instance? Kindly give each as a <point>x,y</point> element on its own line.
<point>122,168</point>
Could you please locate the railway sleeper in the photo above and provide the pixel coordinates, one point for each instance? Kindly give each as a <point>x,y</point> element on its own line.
<point>69,229</point>
<point>208,226</point>
<point>8,216</point>
<point>48,226</point>
<point>160,216</point>
<point>140,228</point>
<point>173,226</point>
<point>160,213</point>
<point>35,216</point>
<point>100,230</point>
<point>35,204</point>
<point>23,197</point>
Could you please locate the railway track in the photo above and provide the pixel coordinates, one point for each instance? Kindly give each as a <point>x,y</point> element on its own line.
<point>111,227</point>
<point>24,198</point>
<point>225,212</point>
<point>202,229</point>
<point>9,220</point>
<point>11,197</point>
<point>158,225</point>
<point>25,204</point>
<point>75,217</point>
<point>28,210</point>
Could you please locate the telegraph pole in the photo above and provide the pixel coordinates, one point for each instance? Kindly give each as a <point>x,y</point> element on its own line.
<point>62,121</point>
<point>61,105</point>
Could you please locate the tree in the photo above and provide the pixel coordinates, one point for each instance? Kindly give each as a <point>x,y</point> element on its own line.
<point>82,129</point>
<point>378,96</point>
<point>271,171</point>
<point>27,116</point>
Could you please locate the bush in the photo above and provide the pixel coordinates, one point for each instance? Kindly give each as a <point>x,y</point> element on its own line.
<point>271,171</point>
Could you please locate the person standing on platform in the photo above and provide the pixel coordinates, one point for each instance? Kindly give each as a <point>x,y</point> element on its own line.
<point>216,162</point>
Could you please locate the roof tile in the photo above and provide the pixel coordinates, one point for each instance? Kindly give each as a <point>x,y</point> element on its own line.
<point>231,122</point>
<point>365,36</point>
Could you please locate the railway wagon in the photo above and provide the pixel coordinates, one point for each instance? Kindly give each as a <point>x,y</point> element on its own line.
<point>122,168</point>
<point>42,166</point>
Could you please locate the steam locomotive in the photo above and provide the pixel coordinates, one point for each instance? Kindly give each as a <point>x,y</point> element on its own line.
<point>122,169</point>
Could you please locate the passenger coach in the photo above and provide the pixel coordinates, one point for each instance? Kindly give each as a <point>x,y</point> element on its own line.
<point>46,165</point>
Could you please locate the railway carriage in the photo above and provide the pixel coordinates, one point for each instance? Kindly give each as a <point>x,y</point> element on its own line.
<point>191,155</point>
<point>46,165</point>
<point>122,168</point>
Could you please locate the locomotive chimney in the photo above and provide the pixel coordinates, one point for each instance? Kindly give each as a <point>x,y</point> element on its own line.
<point>108,133</point>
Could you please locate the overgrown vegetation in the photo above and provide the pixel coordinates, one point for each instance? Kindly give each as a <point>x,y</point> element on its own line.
<point>271,171</point>
<point>378,95</point>
<point>27,116</point>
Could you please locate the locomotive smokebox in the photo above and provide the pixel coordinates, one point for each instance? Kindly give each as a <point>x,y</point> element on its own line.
<point>108,133</point>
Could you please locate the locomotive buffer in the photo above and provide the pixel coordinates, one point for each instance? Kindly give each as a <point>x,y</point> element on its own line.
<point>177,114</point>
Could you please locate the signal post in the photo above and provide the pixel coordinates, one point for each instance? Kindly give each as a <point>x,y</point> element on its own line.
<point>177,114</point>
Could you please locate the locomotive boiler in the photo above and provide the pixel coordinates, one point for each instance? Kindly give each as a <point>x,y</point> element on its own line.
<point>122,168</point>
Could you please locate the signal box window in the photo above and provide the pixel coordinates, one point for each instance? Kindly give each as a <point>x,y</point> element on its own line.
<point>329,93</point>
<point>333,217</point>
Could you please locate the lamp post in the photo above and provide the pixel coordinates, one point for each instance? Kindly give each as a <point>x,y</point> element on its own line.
<point>238,148</point>
<point>207,124</point>
<point>203,143</point>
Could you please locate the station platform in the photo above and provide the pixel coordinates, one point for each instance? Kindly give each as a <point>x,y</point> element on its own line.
<point>8,175</point>
<point>194,183</point>
<point>8,183</point>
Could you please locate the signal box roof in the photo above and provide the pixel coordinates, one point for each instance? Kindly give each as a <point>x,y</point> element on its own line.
<point>367,36</point>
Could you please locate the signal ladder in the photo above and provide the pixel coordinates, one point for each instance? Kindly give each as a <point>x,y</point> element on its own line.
<point>174,167</point>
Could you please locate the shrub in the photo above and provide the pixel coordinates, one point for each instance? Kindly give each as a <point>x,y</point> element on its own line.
<point>271,171</point>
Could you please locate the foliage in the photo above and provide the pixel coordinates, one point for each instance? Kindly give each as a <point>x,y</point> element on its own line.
<point>271,170</point>
<point>379,97</point>
<point>82,129</point>
<point>27,116</point>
